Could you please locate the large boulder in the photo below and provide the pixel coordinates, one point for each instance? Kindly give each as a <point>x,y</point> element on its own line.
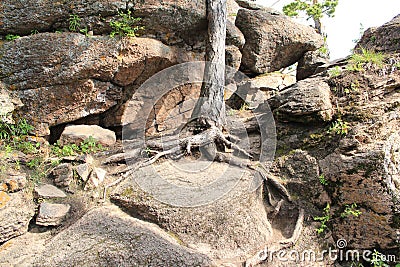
<point>227,224</point>
<point>172,22</point>
<point>383,39</point>
<point>306,101</point>
<point>106,236</point>
<point>57,87</point>
<point>273,41</point>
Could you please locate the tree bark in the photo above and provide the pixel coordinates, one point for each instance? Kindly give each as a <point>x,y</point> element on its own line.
<point>317,21</point>
<point>210,108</point>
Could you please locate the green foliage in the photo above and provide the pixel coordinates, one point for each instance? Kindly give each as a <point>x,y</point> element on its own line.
<point>357,61</point>
<point>350,210</point>
<point>10,131</point>
<point>74,23</point>
<point>378,259</point>
<point>12,37</point>
<point>323,180</point>
<point>86,147</point>
<point>244,107</point>
<point>33,32</point>
<point>339,127</point>
<point>334,72</point>
<point>125,25</point>
<point>323,219</point>
<point>315,11</point>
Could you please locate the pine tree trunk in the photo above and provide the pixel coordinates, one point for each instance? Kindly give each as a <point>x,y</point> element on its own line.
<point>317,21</point>
<point>210,108</point>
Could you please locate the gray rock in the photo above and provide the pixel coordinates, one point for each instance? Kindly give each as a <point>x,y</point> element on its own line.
<point>384,39</point>
<point>309,63</point>
<point>306,101</point>
<point>49,191</point>
<point>96,177</point>
<point>259,89</point>
<point>231,226</point>
<point>106,236</point>
<point>75,134</point>
<point>63,174</point>
<point>56,89</point>
<point>52,214</point>
<point>233,57</point>
<point>273,41</point>
<point>84,171</point>
<point>14,182</point>
<point>234,36</point>
<point>16,211</point>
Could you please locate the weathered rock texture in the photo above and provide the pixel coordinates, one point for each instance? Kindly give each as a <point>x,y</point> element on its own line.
<point>76,134</point>
<point>306,101</point>
<point>95,74</point>
<point>108,237</point>
<point>16,211</point>
<point>231,227</point>
<point>309,63</point>
<point>385,38</point>
<point>273,41</point>
<point>52,214</point>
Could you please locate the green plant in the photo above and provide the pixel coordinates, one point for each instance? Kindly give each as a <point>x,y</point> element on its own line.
<point>12,37</point>
<point>74,22</point>
<point>323,219</point>
<point>125,25</point>
<point>339,127</point>
<point>33,32</point>
<point>323,180</point>
<point>313,9</point>
<point>378,259</point>
<point>84,31</point>
<point>334,72</point>
<point>397,65</point>
<point>350,210</point>
<point>90,146</point>
<point>324,50</point>
<point>9,131</point>
<point>244,107</point>
<point>358,60</point>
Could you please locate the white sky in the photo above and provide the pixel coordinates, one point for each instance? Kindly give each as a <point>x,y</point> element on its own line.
<point>344,27</point>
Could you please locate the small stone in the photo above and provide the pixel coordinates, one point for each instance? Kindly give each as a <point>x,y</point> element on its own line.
<point>49,191</point>
<point>4,199</point>
<point>63,174</point>
<point>14,182</point>
<point>52,214</point>
<point>96,178</point>
<point>84,171</point>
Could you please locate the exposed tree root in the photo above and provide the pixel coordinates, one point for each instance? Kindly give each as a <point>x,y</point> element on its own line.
<point>265,253</point>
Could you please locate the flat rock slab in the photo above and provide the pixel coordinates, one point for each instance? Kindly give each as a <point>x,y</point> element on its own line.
<point>52,214</point>
<point>79,133</point>
<point>106,236</point>
<point>49,191</point>
<point>223,216</point>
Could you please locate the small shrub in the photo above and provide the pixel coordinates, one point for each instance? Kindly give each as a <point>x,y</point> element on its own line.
<point>339,127</point>
<point>12,37</point>
<point>74,23</point>
<point>323,219</point>
<point>125,25</point>
<point>358,60</point>
<point>378,259</point>
<point>323,180</point>
<point>334,72</point>
<point>350,210</point>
